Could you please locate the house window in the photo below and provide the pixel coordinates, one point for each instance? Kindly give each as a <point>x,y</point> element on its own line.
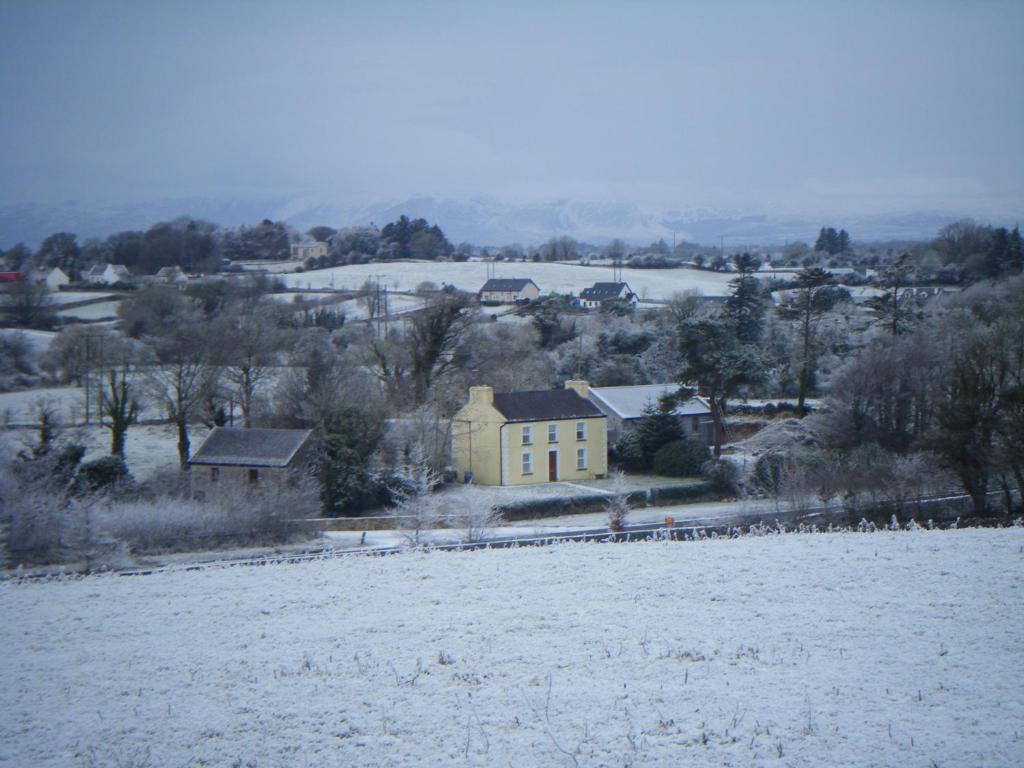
<point>527,435</point>
<point>552,433</point>
<point>581,430</point>
<point>527,463</point>
<point>254,477</point>
<point>581,458</point>
<point>214,474</point>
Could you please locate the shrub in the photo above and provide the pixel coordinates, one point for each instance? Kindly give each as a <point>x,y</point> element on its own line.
<point>629,452</point>
<point>258,518</point>
<point>681,458</point>
<point>724,475</point>
<point>102,475</point>
<point>770,472</point>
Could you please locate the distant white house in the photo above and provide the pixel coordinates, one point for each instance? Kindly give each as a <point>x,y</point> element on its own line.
<point>624,407</point>
<point>509,290</point>
<point>308,249</point>
<point>54,279</point>
<point>107,274</point>
<point>602,292</point>
<point>171,274</point>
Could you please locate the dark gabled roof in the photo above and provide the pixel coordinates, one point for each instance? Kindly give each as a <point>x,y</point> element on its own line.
<point>506,284</point>
<point>251,447</point>
<point>544,405</point>
<point>604,291</point>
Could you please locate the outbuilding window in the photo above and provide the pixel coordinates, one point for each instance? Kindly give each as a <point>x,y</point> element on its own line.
<point>214,474</point>
<point>254,477</point>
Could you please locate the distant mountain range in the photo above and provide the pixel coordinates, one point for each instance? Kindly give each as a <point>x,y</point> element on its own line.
<point>482,221</point>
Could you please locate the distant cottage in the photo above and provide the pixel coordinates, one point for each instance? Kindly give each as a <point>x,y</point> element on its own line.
<point>54,279</point>
<point>602,292</point>
<point>522,438</point>
<point>172,274</point>
<point>241,459</point>
<point>509,290</point>
<point>308,250</point>
<point>108,274</point>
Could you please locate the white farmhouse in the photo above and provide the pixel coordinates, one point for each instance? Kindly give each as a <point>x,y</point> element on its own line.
<point>108,274</point>
<point>54,279</point>
<point>602,292</point>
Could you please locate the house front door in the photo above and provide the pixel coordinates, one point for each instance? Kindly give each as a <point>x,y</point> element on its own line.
<point>552,466</point>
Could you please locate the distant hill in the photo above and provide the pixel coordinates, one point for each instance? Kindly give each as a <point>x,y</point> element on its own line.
<point>482,221</point>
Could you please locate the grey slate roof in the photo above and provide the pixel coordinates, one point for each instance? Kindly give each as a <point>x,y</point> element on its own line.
<point>604,291</point>
<point>507,284</point>
<point>251,447</point>
<point>545,405</point>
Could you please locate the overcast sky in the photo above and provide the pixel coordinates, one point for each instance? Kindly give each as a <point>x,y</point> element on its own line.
<point>799,107</point>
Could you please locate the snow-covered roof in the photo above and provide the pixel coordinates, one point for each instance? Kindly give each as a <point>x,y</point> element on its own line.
<point>629,402</point>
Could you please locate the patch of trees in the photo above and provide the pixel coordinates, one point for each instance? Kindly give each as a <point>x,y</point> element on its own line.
<point>407,238</point>
<point>980,252</point>
<point>563,248</point>
<point>952,387</point>
<point>832,242</point>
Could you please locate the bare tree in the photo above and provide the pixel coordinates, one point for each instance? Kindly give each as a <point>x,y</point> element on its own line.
<point>29,304</point>
<point>433,337</point>
<point>181,378</point>
<point>809,302</point>
<point>416,507</point>
<point>120,401</point>
<point>250,343</point>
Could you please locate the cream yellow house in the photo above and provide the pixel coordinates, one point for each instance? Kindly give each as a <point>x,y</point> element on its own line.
<point>523,438</point>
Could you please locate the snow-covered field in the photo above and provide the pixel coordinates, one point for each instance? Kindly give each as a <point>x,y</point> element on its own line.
<point>21,407</point>
<point>104,310</point>
<point>551,277</point>
<point>354,309</point>
<point>150,448</point>
<point>70,297</point>
<point>801,650</point>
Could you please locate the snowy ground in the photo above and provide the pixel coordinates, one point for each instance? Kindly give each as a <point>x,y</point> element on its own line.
<point>104,310</point>
<point>150,448</point>
<point>842,649</point>
<point>70,297</point>
<point>21,407</point>
<point>551,277</point>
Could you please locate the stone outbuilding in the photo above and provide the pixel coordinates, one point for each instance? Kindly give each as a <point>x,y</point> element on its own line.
<point>246,459</point>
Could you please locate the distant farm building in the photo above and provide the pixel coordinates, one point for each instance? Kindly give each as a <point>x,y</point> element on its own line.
<point>308,250</point>
<point>54,279</point>
<point>625,406</point>
<point>172,275</point>
<point>107,274</point>
<point>509,290</point>
<point>602,292</point>
<point>249,459</point>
